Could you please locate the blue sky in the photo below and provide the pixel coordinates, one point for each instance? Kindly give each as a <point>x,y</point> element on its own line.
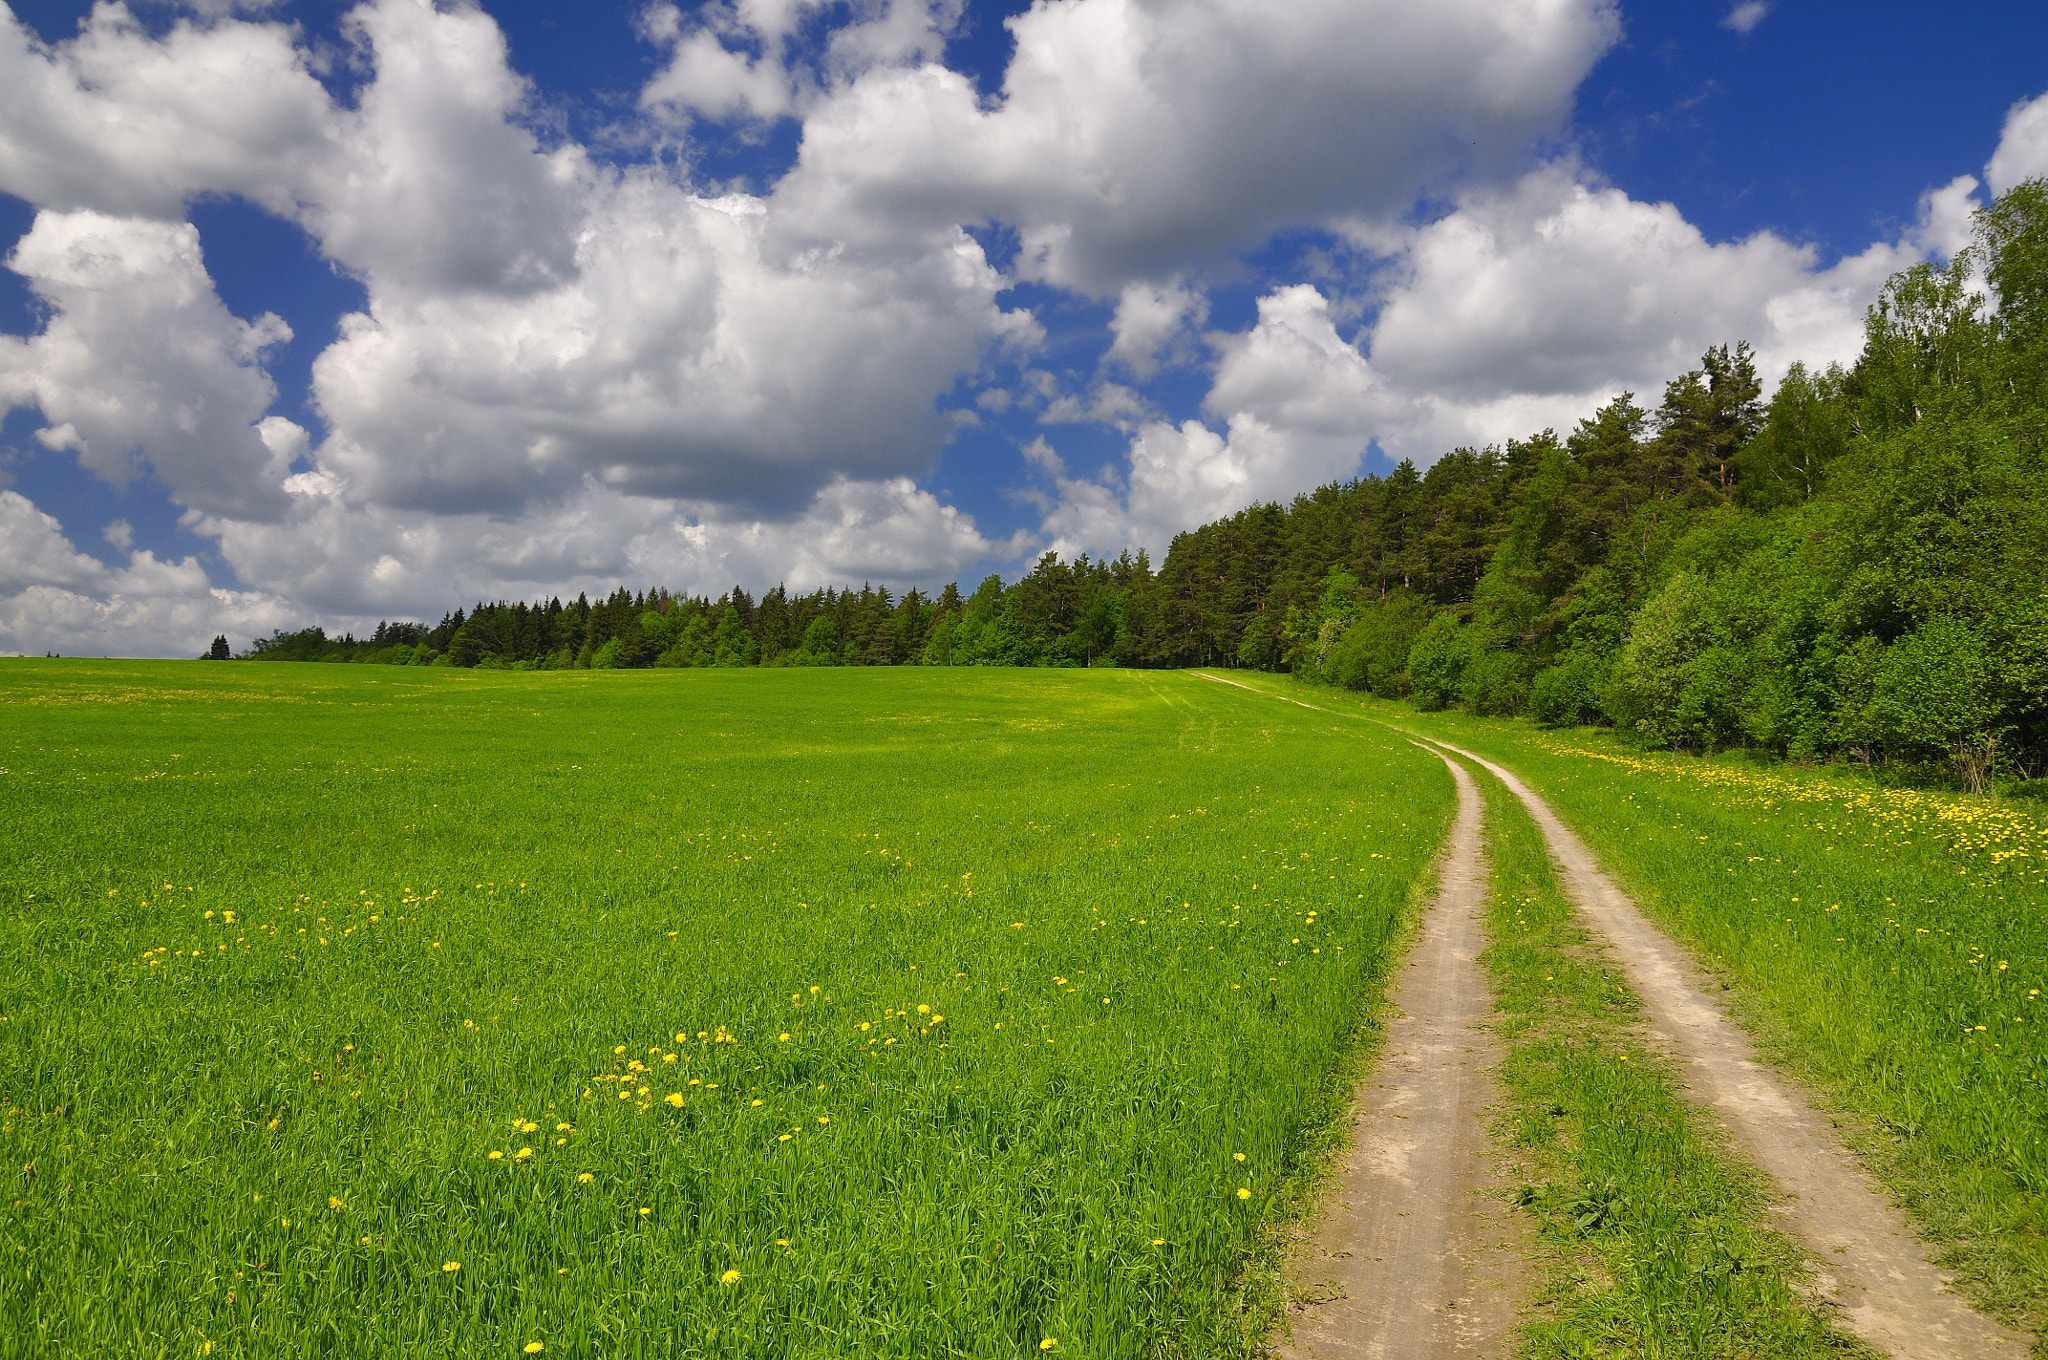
<point>820,293</point>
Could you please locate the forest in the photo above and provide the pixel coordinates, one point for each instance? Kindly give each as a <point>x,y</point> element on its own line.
<point>1855,568</point>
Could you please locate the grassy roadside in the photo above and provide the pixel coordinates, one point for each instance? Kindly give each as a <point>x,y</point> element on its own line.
<point>1887,947</point>
<point>1653,1242</point>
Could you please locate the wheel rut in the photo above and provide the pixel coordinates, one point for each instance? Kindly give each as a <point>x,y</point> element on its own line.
<point>1873,1274</point>
<point>1418,1254</point>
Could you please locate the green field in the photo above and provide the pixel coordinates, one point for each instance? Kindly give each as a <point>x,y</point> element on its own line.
<point>857,1012</point>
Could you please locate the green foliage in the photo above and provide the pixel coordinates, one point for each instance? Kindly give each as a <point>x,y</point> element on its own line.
<point>975,981</point>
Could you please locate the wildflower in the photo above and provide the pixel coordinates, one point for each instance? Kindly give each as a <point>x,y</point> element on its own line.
<point>782,1038</point>
<point>334,1202</point>
<point>1051,1343</point>
<point>1237,1156</point>
<point>784,1138</point>
<point>619,1051</point>
<point>534,1348</point>
<point>730,1277</point>
<point>682,1038</point>
<point>524,1154</point>
<point>645,1212</point>
<point>561,1142</point>
<point>675,1098</point>
<point>494,1154</point>
<point>824,1119</point>
<point>564,1128</point>
<point>1244,1192</point>
<point>1158,1241</point>
<point>450,1267</point>
<point>584,1178</point>
<point>924,1010</point>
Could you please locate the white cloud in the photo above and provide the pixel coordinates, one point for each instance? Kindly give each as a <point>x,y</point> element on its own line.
<point>2022,146</point>
<point>120,534</point>
<point>1151,324</point>
<point>1745,16</point>
<point>140,362</point>
<point>1522,309</point>
<point>1135,137</point>
<point>55,598</point>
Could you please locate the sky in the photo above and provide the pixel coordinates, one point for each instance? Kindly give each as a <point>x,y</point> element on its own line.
<point>332,313</point>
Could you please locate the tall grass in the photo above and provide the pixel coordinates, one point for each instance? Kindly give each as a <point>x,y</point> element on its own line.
<point>769,1013</point>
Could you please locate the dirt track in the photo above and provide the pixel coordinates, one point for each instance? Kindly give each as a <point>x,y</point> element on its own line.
<point>1417,1254</point>
<point>1875,1275</point>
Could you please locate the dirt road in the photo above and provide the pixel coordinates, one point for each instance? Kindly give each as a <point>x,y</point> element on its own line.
<point>1875,1273</point>
<point>1418,1255</point>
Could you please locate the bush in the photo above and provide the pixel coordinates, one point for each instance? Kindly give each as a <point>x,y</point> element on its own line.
<point>1568,694</point>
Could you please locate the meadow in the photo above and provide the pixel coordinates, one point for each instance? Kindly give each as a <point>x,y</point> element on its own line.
<point>354,1011</point>
<point>1887,945</point>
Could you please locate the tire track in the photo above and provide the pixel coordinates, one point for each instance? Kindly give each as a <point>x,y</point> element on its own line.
<point>1872,1272</point>
<point>1416,1257</point>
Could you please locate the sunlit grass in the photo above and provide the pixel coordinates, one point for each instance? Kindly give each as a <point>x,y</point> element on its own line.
<point>855,1012</point>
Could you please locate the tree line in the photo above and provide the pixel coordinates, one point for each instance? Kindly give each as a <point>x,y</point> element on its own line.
<point>1857,567</point>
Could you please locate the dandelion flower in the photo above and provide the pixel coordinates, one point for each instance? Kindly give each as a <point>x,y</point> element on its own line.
<point>783,1139</point>
<point>564,1128</point>
<point>494,1154</point>
<point>675,1098</point>
<point>334,1202</point>
<point>585,1178</point>
<point>924,1010</point>
<point>450,1267</point>
<point>730,1277</point>
<point>824,1119</point>
<point>534,1348</point>
<point>1237,1156</point>
<point>645,1212</point>
<point>1158,1241</point>
<point>1051,1343</point>
<point>757,1104</point>
<point>782,1038</point>
<point>1244,1192</point>
<point>523,1155</point>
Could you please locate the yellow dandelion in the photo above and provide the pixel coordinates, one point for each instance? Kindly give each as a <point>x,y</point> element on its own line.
<point>1051,1343</point>
<point>784,1138</point>
<point>523,1155</point>
<point>645,1212</point>
<point>534,1348</point>
<point>334,1202</point>
<point>675,1098</point>
<point>782,1038</point>
<point>450,1267</point>
<point>1158,1241</point>
<point>494,1154</point>
<point>584,1178</point>
<point>924,1010</point>
<point>824,1119</point>
<point>1244,1192</point>
<point>730,1277</point>
<point>1237,1156</point>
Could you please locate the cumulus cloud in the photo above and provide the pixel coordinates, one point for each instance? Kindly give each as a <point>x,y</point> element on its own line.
<point>1134,137</point>
<point>55,598</point>
<point>140,358</point>
<point>1152,325</point>
<point>2022,146</point>
<point>1524,308</point>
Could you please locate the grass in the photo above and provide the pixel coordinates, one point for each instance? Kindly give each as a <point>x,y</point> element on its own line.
<point>1888,946</point>
<point>970,986</point>
<point>1654,1243</point>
